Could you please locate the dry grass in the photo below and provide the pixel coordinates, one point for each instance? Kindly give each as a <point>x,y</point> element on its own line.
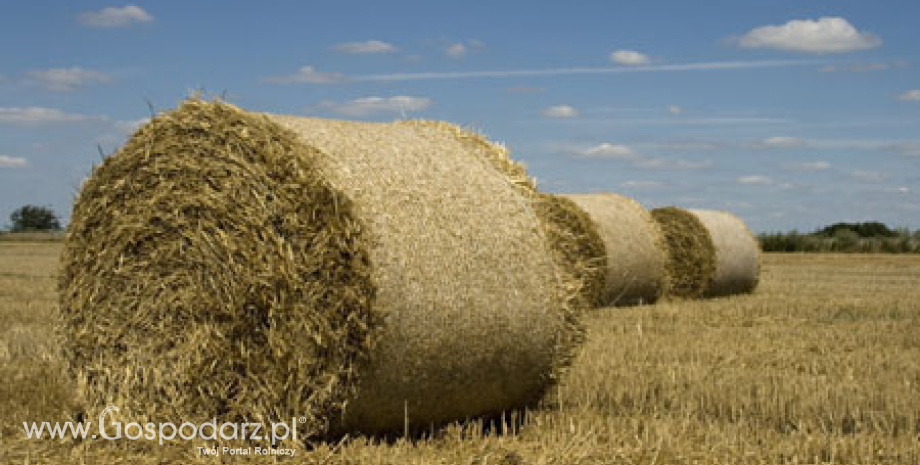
<point>820,365</point>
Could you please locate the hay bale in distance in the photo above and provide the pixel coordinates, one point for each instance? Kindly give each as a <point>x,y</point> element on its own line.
<point>249,266</point>
<point>636,260</point>
<point>691,254</point>
<point>737,253</point>
<point>577,246</point>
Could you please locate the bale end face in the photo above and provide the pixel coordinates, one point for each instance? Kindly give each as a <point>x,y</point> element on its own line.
<point>691,254</point>
<point>209,270</point>
<point>737,253</point>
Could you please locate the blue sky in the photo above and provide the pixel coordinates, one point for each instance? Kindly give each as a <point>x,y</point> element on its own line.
<point>789,113</point>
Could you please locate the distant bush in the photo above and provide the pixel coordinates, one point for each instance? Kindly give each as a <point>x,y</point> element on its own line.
<point>32,218</point>
<point>872,237</point>
<point>869,229</point>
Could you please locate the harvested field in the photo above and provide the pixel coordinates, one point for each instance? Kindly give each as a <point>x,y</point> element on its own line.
<point>821,365</point>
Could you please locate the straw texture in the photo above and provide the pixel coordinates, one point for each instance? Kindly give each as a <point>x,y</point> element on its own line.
<point>691,254</point>
<point>737,253</point>
<point>636,257</point>
<point>577,247</point>
<point>240,265</point>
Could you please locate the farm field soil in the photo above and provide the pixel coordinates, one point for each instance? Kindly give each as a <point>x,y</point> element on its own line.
<point>820,365</point>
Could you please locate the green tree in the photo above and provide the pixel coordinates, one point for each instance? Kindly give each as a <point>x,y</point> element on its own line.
<point>34,218</point>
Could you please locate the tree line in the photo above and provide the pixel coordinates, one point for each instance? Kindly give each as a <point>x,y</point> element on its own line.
<point>868,237</point>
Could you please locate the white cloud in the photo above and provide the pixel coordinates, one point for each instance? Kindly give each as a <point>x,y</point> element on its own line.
<point>870,176</point>
<point>672,164</point>
<point>857,68</point>
<point>903,190</point>
<point>526,90</point>
<point>755,180</point>
<point>128,127</point>
<point>620,152</point>
<point>40,115</point>
<point>370,46</point>
<point>629,57</point>
<point>782,142</point>
<point>462,49</point>
<point>829,34</point>
<point>909,149</point>
<point>115,17</point>
<point>373,105</point>
<point>67,79</point>
<point>912,95</point>
<point>608,151</point>
<point>702,66</point>
<point>456,50</point>
<point>560,111</point>
<point>675,110</point>
<point>809,166</point>
<point>307,75</point>
<point>12,162</point>
<point>639,185</point>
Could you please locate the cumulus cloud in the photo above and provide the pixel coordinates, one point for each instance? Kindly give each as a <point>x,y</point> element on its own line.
<point>910,149</point>
<point>620,152</point>
<point>912,95</point>
<point>307,75</point>
<point>641,185</point>
<point>526,90</point>
<point>40,115</point>
<point>462,49</point>
<point>755,180</point>
<point>129,126</point>
<point>12,162</point>
<point>115,17</point>
<point>809,166</point>
<point>369,46</point>
<point>67,79</point>
<point>825,35</point>
<point>629,57</point>
<point>560,111</point>
<point>609,151</point>
<point>672,164</point>
<point>782,142</point>
<point>375,105</point>
<point>456,50</point>
<point>856,68</point>
<point>870,176</point>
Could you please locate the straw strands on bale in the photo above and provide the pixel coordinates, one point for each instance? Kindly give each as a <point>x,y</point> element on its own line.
<point>248,266</point>
<point>691,254</point>
<point>578,247</point>
<point>636,260</point>
<point>737,253</point>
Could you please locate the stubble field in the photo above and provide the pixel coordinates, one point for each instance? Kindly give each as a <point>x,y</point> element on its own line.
<point>820,365</point>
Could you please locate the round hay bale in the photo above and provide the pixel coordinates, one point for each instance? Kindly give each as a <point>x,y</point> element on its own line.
<point>737,253</point>
<point>691,254</point>
<point>249,266</point>
<point>636,261</point>
<point>577,246</point>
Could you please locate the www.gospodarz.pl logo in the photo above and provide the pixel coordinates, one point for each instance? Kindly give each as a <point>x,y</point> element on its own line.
<point>164,432</point>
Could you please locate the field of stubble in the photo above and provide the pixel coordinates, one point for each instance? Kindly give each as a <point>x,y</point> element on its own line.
<point>821,365</point>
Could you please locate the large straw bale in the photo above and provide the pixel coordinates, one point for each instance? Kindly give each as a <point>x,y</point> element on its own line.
<point>737,253</point>
<point>636,258</point>
<point>248,266</point>
<point>691,254</point>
